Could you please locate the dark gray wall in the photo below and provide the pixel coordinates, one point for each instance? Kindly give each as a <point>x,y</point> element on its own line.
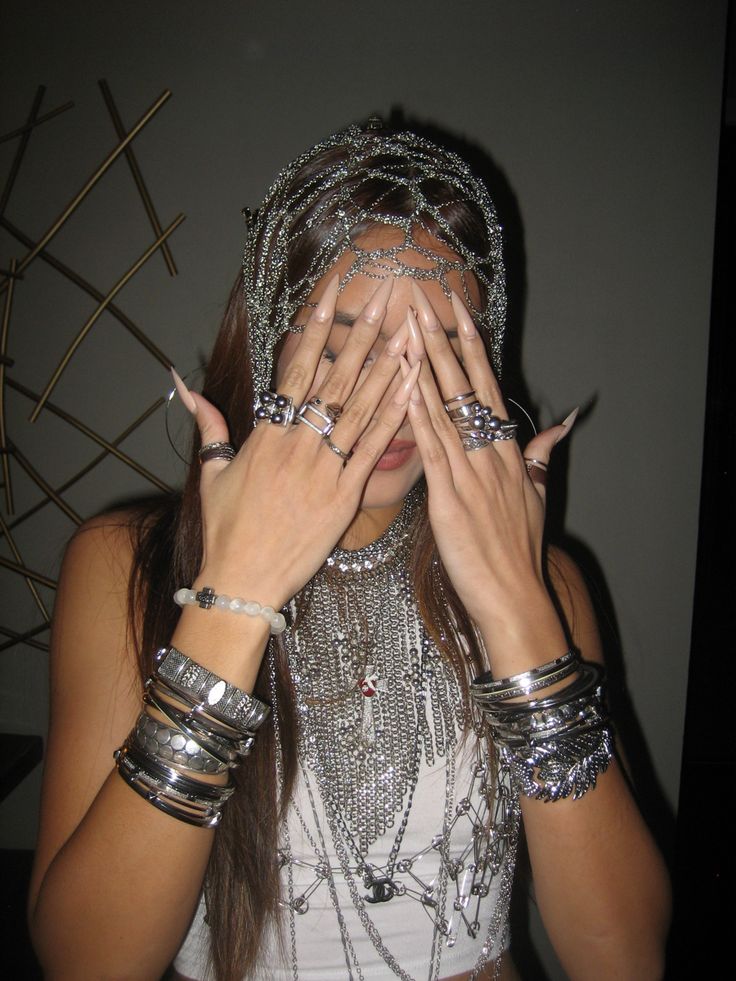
<point>602,120</point>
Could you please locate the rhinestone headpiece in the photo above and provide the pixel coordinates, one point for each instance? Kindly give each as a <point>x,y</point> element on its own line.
<point>323,201</point>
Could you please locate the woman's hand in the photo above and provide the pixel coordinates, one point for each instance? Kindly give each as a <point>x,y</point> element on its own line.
<point>486,509</point>
<point>273,514</point>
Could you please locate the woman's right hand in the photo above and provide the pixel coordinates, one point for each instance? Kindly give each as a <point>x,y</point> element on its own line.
<point>273,514</point>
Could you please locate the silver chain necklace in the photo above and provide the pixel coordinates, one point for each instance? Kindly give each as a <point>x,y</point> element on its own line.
<point>373,697</point>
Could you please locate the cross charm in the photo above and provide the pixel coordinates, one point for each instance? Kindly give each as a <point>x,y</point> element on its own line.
<point>206,597</point>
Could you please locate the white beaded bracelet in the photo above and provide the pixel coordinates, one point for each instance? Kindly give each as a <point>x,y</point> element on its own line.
<point>206,599</point>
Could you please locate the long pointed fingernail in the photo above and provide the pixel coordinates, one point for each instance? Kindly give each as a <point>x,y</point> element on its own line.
<point>397,343</point>
<point>415,349</point>
<point>325,309</point>
<point>568,423</point>
<point>464,320</point>
<point>404,365</point>
<point>184,394</point>
<point>424,307</point>
<point>376,306</point>
<point>407,388</point>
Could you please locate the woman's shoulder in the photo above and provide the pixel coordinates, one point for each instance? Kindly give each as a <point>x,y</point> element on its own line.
<point>111,540</point>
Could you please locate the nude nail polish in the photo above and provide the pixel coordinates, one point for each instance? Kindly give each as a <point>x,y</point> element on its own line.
<point>568,423</point>
<point>183,392</point>
<point>424,307</point>
<point>397,343</point>
<point>465,323</point>
<point>415,348</point>
<point>376,306</point>
<point>325,309</point>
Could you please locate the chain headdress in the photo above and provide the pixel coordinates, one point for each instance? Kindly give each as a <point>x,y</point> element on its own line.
<point>357,179</point>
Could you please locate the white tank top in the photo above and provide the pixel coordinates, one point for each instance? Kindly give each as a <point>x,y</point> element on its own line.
<point>404,924</point>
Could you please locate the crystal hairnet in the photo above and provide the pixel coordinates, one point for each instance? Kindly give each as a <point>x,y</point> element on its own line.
<point>301,199</point>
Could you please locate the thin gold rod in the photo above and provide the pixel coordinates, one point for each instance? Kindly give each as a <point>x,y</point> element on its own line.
<point>41,119</point>
<point>21,148</point>
<point>137,175</point>
<point>9,505</point>
<point>97,313</point>
<point>91,465</point>
<point>45,487</point>
<point>23,570</point>
<point>95,437</point>
<point>80,196</point>
<point>19,558</point>
<point>75,278</point>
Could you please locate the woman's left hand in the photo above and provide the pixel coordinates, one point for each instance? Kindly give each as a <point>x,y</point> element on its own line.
<point>486,509</point>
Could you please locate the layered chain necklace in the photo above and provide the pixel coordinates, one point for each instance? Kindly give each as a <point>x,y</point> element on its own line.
<point>374,698</point>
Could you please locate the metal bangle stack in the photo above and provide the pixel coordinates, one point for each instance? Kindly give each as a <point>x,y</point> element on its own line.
<point>554,746</point>
<point>209,727</point>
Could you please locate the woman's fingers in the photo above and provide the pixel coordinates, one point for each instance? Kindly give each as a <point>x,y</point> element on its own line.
<point>539,451</point>
<point>299,373</point>
<point>375,440</point>
<point>475,360</point>
<point>363,403</point>
<point>437,466</point>
<point>341,380</point>
<point>210,423</point>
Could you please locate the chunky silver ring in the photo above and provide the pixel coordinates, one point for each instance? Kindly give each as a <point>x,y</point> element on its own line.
<point>329,414</point>
<point>336,449</point>
<point>274,407</point>
<point>216,451</point>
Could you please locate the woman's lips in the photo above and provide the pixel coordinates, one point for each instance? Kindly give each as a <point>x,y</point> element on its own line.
<point>396,455</point>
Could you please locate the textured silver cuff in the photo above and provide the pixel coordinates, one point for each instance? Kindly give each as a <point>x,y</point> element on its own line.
<point>172,746</point>
<point>217,697</point>
<point>560,768</point>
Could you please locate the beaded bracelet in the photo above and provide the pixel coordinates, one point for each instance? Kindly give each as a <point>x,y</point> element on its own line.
<point>206,598</point>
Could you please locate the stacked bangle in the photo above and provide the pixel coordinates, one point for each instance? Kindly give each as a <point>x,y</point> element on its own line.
<point>553,746</point>
<point>206,598</point>
<point>209,727</point>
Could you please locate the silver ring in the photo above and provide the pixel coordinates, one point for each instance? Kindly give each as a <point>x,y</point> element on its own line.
<point>216,451</point>
<point>530,463</point>
<point>329,414</point>
<point>273,407</point>
<point>459,398</point>
<point>336,449</point>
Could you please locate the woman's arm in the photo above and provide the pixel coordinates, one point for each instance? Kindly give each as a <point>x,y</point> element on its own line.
<point>600,881</point>
<point>115,880</point>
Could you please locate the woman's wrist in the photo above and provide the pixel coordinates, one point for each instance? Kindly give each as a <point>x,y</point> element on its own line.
<point>523,635</point>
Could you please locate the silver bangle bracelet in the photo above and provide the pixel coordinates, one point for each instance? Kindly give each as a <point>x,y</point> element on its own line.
<point>564,767</point>
<point>173,747</point>
<point>201,687</point>
<point>525,682</point>
<point>225,750</point>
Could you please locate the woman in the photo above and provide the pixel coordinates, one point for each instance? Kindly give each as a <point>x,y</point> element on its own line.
<point>373,827</point>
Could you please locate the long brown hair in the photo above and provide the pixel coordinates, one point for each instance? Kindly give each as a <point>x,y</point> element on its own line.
<point>242,881</point>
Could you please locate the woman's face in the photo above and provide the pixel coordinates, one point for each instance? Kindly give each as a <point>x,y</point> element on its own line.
<point>400,466</point>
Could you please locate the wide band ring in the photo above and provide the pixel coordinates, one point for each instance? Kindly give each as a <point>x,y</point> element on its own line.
<point>274,408</point>
<point>216,451</point>
<point>336,449</point>
<point>329,414</point>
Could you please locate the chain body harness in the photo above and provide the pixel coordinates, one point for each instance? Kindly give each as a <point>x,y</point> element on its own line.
<point>375,699</point>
